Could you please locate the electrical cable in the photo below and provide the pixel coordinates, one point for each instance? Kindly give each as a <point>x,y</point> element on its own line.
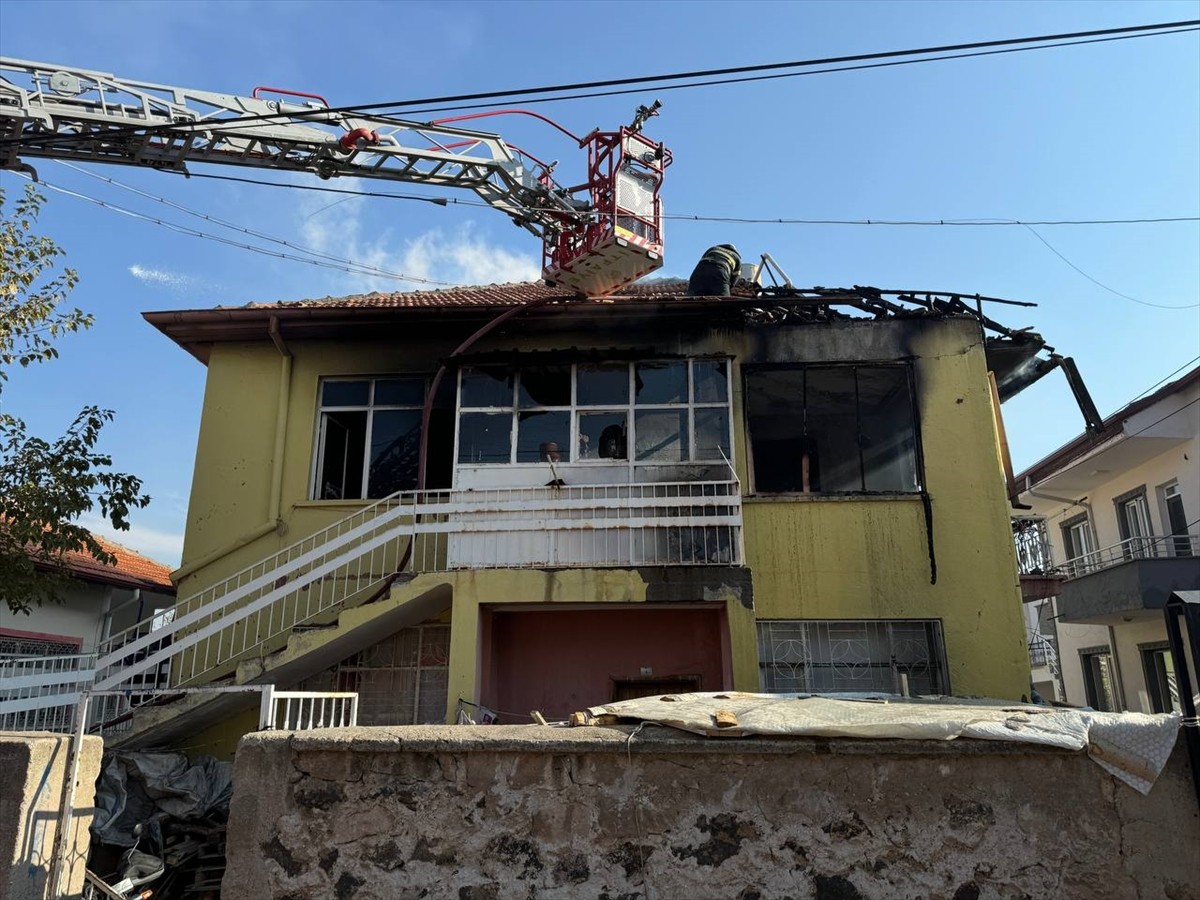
<point>651,83</point>
<point>363,267</point>
<point>1161,381</point>
<point>691,217</point>
<point>1105,286</point>
<point>193,232</point>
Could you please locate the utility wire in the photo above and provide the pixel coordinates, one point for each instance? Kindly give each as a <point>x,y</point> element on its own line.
<point>363,268</point>
<point>691,217</point>
<point>746,80</point>
<point>1161,381</point>
<point>358,269</point>
<point>653,82</point>
<point>1101,284</point>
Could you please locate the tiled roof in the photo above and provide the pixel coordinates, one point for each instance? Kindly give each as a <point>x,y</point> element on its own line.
<point>512,294</point>
<point>132,570</point>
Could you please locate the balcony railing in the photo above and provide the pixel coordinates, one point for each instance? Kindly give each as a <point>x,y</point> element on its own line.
<point>1041,651</point>
<point>1169,546</point>
<point>39,693</point>
<point>1033,545</point>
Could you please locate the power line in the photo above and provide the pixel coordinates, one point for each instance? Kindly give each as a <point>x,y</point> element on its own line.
<point>357,269</point>
<point>1101,284</point>
<point>726,81</point>
<point>365,268</point>
<point>1161,381</point>
<point>691,217</point>
<point>652,82</point>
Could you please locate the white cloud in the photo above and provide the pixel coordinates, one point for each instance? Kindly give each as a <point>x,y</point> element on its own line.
<point>162,278</point>
<point>460,257</point>
<point>161,546</point>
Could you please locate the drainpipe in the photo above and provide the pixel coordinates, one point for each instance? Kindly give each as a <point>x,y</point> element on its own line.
<point>275,503</point>
<point>1082,501</point>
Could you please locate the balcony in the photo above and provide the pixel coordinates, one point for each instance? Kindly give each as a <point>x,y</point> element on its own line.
<point>1035,561</point>
<point>1131,576</point>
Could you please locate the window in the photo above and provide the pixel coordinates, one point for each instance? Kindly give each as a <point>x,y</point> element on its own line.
<point>832,429</point>
<point>1159,668</point>
<point>821,656</point>
<point>1175,520</point>
<point>1133,523</point>
<point>1099,678</point>
<point>29,643</point>
<point>668,411</point>
<point>1078,543</point>
<point>369,437</point>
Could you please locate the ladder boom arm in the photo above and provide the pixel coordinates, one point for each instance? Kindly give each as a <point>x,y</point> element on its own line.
<point>55,112</point>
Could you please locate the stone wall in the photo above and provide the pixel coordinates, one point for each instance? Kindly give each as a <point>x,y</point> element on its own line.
<point>33,767</point>
<point>525,812</point>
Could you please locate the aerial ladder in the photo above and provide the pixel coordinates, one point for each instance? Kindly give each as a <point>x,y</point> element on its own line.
<point>597,236</point>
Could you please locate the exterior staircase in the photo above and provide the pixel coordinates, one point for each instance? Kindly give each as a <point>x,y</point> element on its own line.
<point>213,650</point>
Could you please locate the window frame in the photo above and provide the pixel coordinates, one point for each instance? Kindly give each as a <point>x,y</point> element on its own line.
<point>629,410</point>
<point>939,670</point>
<point>1091,690</point>
<point>318,452</point>
<point>747,371</point>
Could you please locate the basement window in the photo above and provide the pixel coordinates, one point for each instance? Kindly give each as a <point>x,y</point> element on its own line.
<point>651,412</point>
<point>369,438</point>
<point>829,656</point>
<point>832,429</point>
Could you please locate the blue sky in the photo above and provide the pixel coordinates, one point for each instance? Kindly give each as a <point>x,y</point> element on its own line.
<point>1103,131</point>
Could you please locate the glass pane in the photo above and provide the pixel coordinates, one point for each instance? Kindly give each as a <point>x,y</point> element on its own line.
<point>660,382</point>
<point>831,447</point>
<point>484,437</point>
<point>775,416</point>
<point>543,436</point>
<point>487,386</point>
<point>400,392</point>
<point>888,432</point>
<point>711,379</point>
<point>344,438</point>
<point>345,393</point>
<point>545,386</point>
<point>662,435</point>
<point>712,434</point>
<point>606,384</point>
<point>602,435</point>
<point>395,445</point>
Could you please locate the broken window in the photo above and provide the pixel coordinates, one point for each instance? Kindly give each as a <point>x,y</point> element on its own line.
<point>832,429</point>
<point>670,411</point>
<point>824,656</point>
<point>369,437</point>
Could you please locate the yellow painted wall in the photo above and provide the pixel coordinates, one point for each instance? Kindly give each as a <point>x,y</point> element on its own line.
<point>868,558</point>
<point>811,558</point>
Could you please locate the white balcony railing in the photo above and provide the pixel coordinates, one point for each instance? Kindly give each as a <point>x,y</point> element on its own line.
<point>305,710</point>
<point>204,635</point>
<point>1033,545</point>
<point>1150,547</point>
<point>39,693</point>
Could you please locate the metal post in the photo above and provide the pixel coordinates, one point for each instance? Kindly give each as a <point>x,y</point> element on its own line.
<point>266,708</point>
<point>59,869</point>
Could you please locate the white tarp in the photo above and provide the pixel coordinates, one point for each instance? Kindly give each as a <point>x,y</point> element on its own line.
<point>1132,746</point>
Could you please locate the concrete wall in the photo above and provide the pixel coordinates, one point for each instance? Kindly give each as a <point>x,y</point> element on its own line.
<point>34,768</point>
<point>525,812</point>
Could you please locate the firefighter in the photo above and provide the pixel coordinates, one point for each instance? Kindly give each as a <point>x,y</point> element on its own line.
<point>716,272</point>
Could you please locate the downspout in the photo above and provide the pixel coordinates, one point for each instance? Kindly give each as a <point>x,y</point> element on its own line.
<point>1082,501</point>
<point>275,503</point>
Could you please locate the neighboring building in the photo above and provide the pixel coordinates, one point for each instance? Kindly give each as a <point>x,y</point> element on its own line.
<point>1117,520</point>
<point>48,655</point>
<point>98,601</point>
<point>638,494</point>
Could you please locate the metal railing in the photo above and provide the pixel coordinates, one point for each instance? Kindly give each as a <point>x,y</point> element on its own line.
<point>1149,547</point>
<point>305,710</point>
<point>1032,540</point>
<point>39,693</point>
<point>1041,651</point>
<point>252,611</point>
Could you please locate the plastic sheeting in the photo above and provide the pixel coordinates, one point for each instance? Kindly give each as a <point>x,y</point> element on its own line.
<point>1132,746</point>
<point>146,788</point>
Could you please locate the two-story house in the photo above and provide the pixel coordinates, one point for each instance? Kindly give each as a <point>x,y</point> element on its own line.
<point>625,495</point>
<point>1117,515</point>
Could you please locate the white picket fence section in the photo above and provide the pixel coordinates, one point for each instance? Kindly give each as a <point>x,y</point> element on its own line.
<point>305,710</point>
